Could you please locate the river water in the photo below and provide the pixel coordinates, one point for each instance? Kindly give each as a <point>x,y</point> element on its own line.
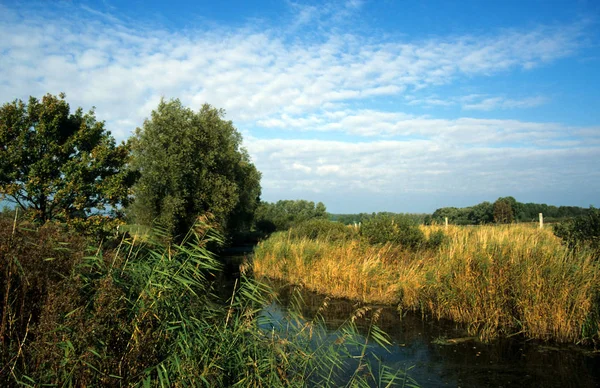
<point>439,353</point>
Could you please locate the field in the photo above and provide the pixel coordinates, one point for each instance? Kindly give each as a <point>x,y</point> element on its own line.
<point>497,280</point>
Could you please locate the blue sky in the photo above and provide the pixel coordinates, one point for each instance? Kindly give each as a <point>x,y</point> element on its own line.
<point>364,105</point>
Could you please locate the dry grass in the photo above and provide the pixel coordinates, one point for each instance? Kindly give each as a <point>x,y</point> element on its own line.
<point>499,280</point>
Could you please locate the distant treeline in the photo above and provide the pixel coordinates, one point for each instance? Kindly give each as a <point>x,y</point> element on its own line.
<point>503,210</point>
<point>349,219</point>
<point>284,214</point>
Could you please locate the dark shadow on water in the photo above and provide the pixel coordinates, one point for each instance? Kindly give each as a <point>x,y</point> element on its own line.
<point>423,344</point>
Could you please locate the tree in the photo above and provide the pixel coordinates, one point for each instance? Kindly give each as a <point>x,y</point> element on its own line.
<point>503,211</point>
<point>190,164</point>
<point>483,213</point>
<point>395,228</point>
<point>59,165</point>
<point>287,213</point>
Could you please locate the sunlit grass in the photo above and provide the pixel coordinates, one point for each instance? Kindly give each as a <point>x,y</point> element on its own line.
<point>498,280</point>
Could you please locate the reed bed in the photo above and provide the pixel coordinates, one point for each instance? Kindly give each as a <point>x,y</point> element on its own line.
<point>498,280</point>
<point>145,314</point>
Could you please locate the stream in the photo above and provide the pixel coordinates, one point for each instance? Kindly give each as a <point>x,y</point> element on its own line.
<point>439,353</point>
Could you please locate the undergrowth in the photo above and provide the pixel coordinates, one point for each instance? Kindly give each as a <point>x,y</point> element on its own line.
<point>145,314</point>
<point>497,280</point>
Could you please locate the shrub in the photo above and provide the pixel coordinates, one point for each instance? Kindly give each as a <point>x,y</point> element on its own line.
<point>284,214</point>
<point>145,314</point>
<point>436,239</point>
<point>582,230</point>
<point>34,264</point>
<point>396,229</point>
<point>322,229</point>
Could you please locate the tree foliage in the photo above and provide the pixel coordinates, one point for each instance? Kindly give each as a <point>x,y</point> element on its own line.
<point>397,229</point>
<point>503,211</point>
<point>284,214</point>
<point>323,229</point>
<point>60,165</point>
<point>351,219</point>
<point>483,213</point>
<point>192,163</point>
<point>581,230</point>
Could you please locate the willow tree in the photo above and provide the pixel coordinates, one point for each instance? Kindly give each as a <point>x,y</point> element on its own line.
<point>192,163</point>
<point>58,165</point>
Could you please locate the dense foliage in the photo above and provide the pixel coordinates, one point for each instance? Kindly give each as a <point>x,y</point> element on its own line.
<point>58,165</point>
<point>282,215</point>
<point>394,229</point>
<point>144,314</point>
<point>192,163</point>
<point>319,228</point>
<point>358,218</point>
<point>503,210</point>
<point>582,230</point>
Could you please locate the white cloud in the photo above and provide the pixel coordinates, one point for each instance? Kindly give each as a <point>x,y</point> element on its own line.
<point>321,84</point>
<point>421,166</point>
<point>482,102</point>
<point>251,74</point>
<point>463,131</point>
<point>491,103</point>
<point>301,167</point>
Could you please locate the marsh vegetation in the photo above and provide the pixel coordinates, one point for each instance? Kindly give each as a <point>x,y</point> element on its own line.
<point>497,280</point>
<point>143,313</point>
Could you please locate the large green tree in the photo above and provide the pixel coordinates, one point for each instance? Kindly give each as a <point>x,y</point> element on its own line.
<point>60,165</point>
<point>192,163</point>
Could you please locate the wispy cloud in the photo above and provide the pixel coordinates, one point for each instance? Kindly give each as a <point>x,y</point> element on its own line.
<point>459,132</point>
<point>419,166</point>
<point>491,103</point>
<point>310,86</point>
<point>481,102</point>
<point>252,74</point>
<point>324,15</point>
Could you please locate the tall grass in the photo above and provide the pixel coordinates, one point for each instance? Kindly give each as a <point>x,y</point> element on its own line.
<point>144,314</point>
<point>498,280</point>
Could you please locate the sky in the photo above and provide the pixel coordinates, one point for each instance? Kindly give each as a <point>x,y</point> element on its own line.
<point>403,106</point>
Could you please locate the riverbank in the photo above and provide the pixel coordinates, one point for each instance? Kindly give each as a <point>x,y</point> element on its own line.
<point>141,312</point>
<point>439,353</point>
<point>497,280</point>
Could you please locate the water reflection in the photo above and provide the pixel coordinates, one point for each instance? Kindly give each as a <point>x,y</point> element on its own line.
<point>416,343</point>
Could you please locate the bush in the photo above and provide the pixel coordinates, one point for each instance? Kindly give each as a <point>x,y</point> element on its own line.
<point>284,214</point>
<point>146,314</point>
<point>396,229</point>
<point>582,230</point>
<point>34,265</point>
<point>436,239</point>
<point>322,229</point>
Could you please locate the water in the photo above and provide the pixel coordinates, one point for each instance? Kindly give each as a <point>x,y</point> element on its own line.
<point>422,345</point>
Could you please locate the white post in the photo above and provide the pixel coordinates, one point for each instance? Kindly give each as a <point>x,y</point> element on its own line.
<point>541,220</point>
<point>446,219</point>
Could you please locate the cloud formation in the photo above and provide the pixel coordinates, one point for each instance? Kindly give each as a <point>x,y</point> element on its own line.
<point>480,102</point>
<point>418,166</point>
<point>124,70</point>
<point>275,87</point>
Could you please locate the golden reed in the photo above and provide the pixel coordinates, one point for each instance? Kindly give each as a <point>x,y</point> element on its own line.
<point>498,280</point>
